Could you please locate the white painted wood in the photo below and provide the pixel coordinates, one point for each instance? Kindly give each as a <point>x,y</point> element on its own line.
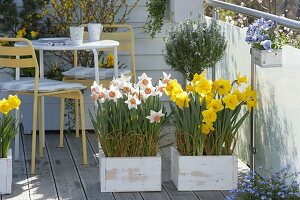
<point>6,174</point>
<point>265,59</point>
<point>129,174</point>
<point>180,10</point>
<point>203,172</point>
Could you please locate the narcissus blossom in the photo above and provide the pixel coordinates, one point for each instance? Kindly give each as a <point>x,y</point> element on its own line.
<point>155,116</point>
<point>132,102</point>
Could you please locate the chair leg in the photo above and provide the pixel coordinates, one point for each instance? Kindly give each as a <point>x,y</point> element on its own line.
<point>84,152</point>
<point>76,118</point>
<point>33,148</point>
<point>62,122</point>
<point>41,135</point>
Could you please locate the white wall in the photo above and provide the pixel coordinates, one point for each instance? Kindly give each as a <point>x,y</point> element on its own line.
<point>278,112</point>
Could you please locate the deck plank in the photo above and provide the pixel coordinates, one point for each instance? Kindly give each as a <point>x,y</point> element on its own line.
<point>168,184</point>
<point>210,195</point>
<point>20,183</point>
<point>42,185</point>
<point>89,174</point>
<point>92,139</point>
<point>66,177</point>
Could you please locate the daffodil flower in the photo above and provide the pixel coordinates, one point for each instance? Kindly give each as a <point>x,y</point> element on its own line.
<point>155,116</point>
<point>95,87</point>
<point>114,93</point>
<point>241,79</point>
<point>149,91</point>
<point>231,101</point>
<point>132,102</point>
<point>144,81</point>
<point>34,34</point>
<point>160,88</point>
<point>125,78</point>
<point>166,78</point>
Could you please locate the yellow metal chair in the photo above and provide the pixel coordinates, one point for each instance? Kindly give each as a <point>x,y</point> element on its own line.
<point>122,33</point>
<point>25,57</point>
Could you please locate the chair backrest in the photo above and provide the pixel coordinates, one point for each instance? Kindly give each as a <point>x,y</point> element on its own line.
<point>122,33</point>
<point>19,56</point>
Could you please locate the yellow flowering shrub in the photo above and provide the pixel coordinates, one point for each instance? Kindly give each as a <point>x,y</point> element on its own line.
<point>211,111</point>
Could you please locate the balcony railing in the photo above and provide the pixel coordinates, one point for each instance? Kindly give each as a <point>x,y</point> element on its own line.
<point>275,127</point>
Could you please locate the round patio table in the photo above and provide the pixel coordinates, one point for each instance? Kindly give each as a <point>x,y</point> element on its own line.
<point>59,46</point>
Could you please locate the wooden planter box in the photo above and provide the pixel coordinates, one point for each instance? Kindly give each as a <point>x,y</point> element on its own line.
<point>6,174</point>
<point>266,59</point>
<point>203,172</point>
<point>129,174</point>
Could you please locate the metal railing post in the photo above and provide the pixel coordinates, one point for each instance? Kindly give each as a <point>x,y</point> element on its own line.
<point>252,115</point>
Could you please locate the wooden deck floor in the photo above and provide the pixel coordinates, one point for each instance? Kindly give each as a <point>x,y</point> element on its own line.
<point>60,174</point>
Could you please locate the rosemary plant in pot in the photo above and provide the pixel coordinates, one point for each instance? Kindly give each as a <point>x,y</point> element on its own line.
<point>8,129</point>
<point>266,43</point>
<point>128,121</point>
<point>207,118</point>
<point>194,45</point>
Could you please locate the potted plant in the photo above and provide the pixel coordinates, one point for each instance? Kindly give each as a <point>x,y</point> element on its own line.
<point>207,117</point>
<point>128,121</point>
<point>275,185</point>
<point>266,43</point>
<point>156,14</point>
<point>8,129</point>
<point>194,45</point>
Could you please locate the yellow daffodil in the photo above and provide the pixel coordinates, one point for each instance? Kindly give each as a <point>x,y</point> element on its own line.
<point>21,33</point>
<point>14,102</point>
<point>170,86</point>
<point>249,93</point>
<point>240,96</point>
<point>251,103</point>
<point>182,99</point>
<point>216,105</point>
<point>206,128</point>
<point>34,34</point>
<point>224,87</point>
<point>231,101</point>
<point>4,106</point>
<point>209,97</point>
<point>110,60</point>
<point>100,65</point>
<point>209,116</point>
<point>214,86</point>
<point>175,91</point>
<point>203,87</point>
<point>250,97</point>
<point>190,88</point>
<point>241,79</point>
<point>198,77</point>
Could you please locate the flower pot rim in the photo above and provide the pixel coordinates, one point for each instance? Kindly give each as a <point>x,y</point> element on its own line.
<point>263,50</point>
<point>9,155</point>
<point>203,155</point>
<point>102,155</point>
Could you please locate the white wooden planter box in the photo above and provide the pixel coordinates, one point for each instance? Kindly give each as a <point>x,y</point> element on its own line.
<point>265,59</point>
<point>6,174</point>
<point>203,172</point>
<point>129,174</point>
